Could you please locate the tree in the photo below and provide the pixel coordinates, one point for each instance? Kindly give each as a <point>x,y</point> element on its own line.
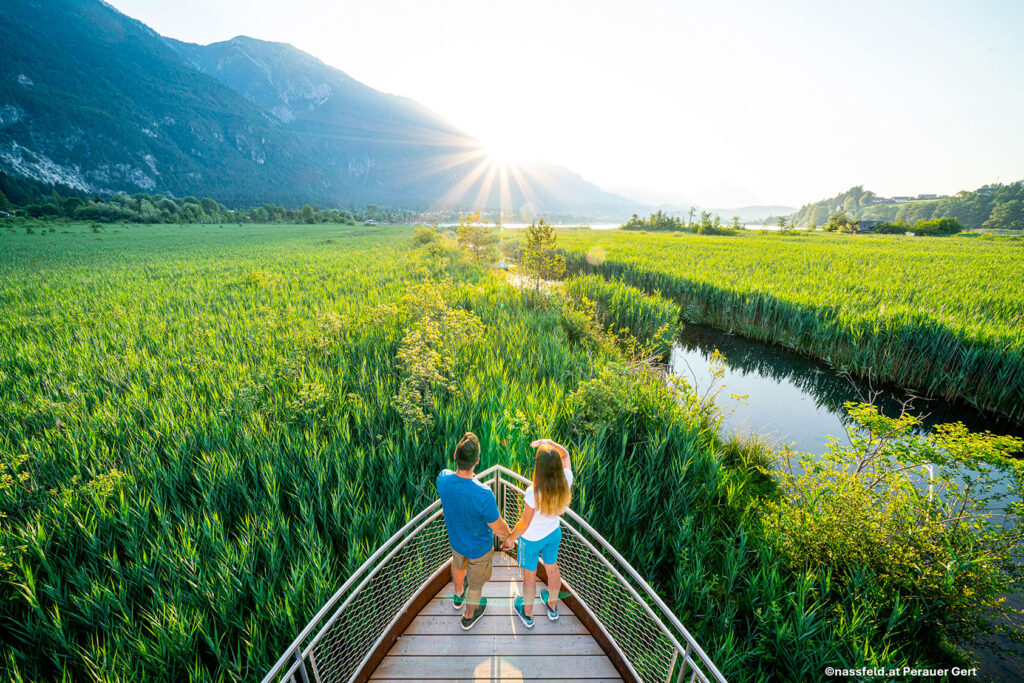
<point>838,222</point>
<point>58,202</point>
<point>635,223</point>
<point>71,204</point>
<point>705,221</point>
<point>475,236</point>
<point>307,213</point>
<point>691,212</point>
<point>736,225</point>
<point>1008,216</point>
<point>541,258</point>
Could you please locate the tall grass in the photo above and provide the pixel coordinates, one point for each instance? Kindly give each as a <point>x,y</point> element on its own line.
<point>199,442</point>
<point>945,316</point>
<point>652,320</point>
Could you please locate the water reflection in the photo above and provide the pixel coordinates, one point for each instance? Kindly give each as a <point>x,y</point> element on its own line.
<point>797,400</point>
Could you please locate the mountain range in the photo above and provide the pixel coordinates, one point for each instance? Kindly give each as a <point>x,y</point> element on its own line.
<point>96,102</point>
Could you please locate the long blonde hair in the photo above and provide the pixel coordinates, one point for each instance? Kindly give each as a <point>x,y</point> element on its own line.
<point>550,488</point>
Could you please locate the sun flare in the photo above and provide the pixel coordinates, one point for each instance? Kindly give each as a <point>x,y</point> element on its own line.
<point>500,154</point>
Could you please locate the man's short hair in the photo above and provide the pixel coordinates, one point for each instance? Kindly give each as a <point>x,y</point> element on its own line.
<point>467,453</point>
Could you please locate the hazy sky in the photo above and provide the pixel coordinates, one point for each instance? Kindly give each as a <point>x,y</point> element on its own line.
<point>790,101</point>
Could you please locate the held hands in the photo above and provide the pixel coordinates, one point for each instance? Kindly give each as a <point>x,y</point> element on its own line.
<point>508,543</point>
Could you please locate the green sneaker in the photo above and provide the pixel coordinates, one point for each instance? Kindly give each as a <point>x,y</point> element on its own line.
<point>477,613</point>
<point>460,600</point>
<point>519,606</point>
<point>552,611</point>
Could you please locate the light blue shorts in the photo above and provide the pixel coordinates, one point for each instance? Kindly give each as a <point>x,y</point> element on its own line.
<point>545,550</point>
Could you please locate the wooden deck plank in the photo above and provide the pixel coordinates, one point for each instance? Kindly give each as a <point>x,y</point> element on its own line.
<point>503,680</point>
<point>516,667</point>
<point>475,645</point>
<point>443,606</point>
<point>503,560</point>
<point>494,589</point>
<point>504,572</point>
<point>499,647</point>
<point>492,624</point>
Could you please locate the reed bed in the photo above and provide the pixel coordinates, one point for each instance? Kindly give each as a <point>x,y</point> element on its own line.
<point>653,320</point>
<point>944,316</point>
<point>199,443</point>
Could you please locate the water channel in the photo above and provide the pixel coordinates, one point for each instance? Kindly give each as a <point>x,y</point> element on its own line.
<point>795,400</point>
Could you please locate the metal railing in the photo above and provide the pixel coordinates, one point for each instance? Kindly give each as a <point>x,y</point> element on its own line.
<point>341,638</point>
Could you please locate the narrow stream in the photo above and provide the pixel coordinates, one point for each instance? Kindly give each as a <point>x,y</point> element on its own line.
<point>795,400</point>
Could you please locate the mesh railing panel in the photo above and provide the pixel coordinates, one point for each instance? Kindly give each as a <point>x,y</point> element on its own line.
<point>348,640</point>
<point>641,640</point>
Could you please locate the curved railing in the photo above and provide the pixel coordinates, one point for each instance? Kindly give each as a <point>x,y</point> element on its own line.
<point>345,633</point>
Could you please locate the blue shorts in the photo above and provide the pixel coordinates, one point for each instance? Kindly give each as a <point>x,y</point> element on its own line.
<point>546,550</point>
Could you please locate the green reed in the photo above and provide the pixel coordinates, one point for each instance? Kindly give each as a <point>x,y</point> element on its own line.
<point>941,315</point>
<point>199,443</point>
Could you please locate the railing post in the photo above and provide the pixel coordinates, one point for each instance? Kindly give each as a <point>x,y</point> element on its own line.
<point>686,663</point>
<point>499,493</point>
<point>302,665</point>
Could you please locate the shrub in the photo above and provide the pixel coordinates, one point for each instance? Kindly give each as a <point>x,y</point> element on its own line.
<point>630,399</point>
<point>425,234</point>
<point>936,559</point>
<point>429,354</point>
<point>937,227</point>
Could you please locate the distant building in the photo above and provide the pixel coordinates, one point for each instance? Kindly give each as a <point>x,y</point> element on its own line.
<point>986,190</point>
<point>899,200</point>
<point>866,227</point>
<point>927,196</point>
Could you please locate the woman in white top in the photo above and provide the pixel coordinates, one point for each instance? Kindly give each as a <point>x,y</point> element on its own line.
<point>539,532</point>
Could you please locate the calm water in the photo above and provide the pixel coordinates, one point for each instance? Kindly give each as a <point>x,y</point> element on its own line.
<point>794,400</point>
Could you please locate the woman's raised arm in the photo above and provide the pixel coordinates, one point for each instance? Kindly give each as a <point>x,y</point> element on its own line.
<point>562,451</point>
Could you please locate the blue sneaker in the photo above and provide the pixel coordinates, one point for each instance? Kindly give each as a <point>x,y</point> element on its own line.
<point>552,611</point>
<point>519,607</point>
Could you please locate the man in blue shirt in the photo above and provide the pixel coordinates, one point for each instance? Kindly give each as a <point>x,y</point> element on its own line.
<point>471,517</point>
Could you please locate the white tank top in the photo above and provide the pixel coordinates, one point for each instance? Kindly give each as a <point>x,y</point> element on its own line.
<point>541,525</point>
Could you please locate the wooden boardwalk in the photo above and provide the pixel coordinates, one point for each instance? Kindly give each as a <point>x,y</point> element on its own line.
<point>499,647</point>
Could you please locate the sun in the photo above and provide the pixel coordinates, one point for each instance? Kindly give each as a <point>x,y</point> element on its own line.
<point>500,153</point>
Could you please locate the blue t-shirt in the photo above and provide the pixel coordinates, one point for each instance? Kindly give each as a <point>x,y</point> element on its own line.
<point>469,507</point>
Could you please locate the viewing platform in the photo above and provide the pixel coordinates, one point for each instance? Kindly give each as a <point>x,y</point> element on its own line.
<point>394,619</point>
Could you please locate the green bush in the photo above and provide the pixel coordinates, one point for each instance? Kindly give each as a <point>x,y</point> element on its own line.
<point>425,234</point>
<point>935,558</point>
<point>937,227</point>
